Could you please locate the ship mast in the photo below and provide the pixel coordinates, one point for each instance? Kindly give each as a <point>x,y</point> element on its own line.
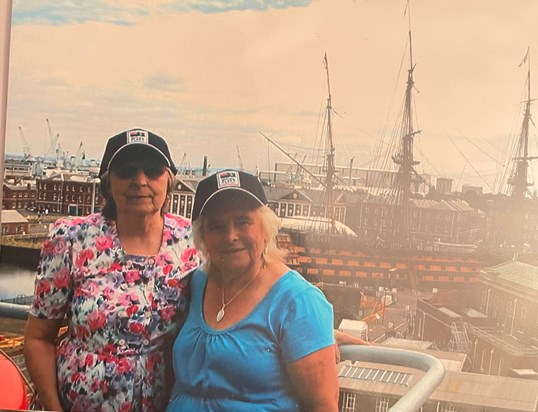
<point>329,210</point>
<point>404,157</point>
<point>519,178</point>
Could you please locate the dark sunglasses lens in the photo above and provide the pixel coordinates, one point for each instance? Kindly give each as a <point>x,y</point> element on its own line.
<point>125,171</point>
<point>153,171</point>
<point>129,170</point>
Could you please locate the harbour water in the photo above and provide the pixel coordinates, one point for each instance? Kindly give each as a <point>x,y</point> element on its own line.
<point>15,281</point>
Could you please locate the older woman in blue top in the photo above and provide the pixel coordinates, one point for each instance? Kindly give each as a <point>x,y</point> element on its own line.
<point>258,337</point>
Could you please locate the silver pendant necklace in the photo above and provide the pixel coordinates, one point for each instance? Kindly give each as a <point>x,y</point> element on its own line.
<point>222,311</point>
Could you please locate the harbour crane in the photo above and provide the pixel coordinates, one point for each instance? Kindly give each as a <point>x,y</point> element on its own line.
<point>80,155</point>
<point>25,146</point>
<point>54,141</point>
<point>182,164</point>
<point>239,158</point>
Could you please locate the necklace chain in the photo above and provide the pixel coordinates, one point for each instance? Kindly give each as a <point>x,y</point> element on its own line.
<point>222,312</point>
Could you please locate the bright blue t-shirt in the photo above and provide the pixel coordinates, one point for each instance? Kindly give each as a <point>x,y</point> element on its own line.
<point>243,367</point>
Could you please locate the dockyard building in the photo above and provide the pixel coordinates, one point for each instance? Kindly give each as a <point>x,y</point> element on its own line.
<point>366,386</point>
<point>20,196</point>
<point>496,325</point>
<point>13,223</point>
<point>69,194</point>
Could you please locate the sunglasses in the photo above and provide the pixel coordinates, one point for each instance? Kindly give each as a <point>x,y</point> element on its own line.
<point>130,170</point>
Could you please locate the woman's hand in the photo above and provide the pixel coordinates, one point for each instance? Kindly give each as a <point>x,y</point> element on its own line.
<point>342,338</point>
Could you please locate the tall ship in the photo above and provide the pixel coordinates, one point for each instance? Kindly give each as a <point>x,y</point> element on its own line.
<point>401,234</point>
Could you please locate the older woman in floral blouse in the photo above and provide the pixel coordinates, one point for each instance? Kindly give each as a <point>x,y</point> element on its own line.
<point>118,278</point>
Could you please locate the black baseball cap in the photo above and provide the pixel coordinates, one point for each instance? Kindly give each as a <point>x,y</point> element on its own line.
<point>227,180</point>
<point>135,138</point>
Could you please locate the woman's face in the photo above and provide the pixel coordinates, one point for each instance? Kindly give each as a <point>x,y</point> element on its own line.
<point>138,186</point>
<point>234,238</point>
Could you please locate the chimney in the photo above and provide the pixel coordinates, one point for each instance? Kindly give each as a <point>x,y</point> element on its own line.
<point>204,170</point>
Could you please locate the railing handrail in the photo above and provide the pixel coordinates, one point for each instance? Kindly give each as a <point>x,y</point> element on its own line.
<point>421,390</point>
<point>14,311</point>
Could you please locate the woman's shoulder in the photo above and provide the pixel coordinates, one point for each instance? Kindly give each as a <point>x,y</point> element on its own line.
<point>176,220</point>
<point>293,285</point>
<point>73,224</point>
<point>294,280</point>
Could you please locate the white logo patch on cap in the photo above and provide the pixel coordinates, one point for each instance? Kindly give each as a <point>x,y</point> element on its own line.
<point>228,178</point>
<point>137,136</point>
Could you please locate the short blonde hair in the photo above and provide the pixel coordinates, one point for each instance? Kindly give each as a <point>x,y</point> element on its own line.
<point>270,226</point>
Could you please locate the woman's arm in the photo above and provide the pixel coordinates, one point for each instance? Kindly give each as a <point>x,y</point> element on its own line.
<point>315,380</point>
<point>40,356</point>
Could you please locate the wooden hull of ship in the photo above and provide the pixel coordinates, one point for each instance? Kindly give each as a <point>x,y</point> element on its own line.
<point>333,260</point>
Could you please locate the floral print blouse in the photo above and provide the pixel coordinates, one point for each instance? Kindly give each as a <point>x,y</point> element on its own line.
<point>120,309</point>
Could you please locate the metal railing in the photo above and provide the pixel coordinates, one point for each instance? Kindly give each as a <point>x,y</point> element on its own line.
<point>14,311</point>
<point>19,300</point>
<point>421,390</point>
<point>411,401</point>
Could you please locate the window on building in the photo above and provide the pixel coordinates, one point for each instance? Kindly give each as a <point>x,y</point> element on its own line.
<point>348,401</point>
<point>509,316</point>
<point>174,204</point>
<point>501,367</point>
<point>483,299</point>
<point>382,404</point>
<point>182,204</point>
<point>443,407</point>
<point>522,319</point>
<point>189,206</point>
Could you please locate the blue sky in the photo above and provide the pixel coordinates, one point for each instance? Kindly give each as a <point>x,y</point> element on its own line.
<point>129,12</point>
<point>210,75</point>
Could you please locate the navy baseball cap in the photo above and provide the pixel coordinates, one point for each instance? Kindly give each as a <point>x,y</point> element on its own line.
<point>227,181</point>
<point>139,138</point>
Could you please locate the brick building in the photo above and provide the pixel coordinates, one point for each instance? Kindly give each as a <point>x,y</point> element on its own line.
<point>512,226</point>
<point>19,196</point>
<point>13,223</point>
<point>451,221</point>
<point>66,193</point>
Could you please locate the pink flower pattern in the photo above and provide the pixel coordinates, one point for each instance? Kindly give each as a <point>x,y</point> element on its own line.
<point>120,310</point>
